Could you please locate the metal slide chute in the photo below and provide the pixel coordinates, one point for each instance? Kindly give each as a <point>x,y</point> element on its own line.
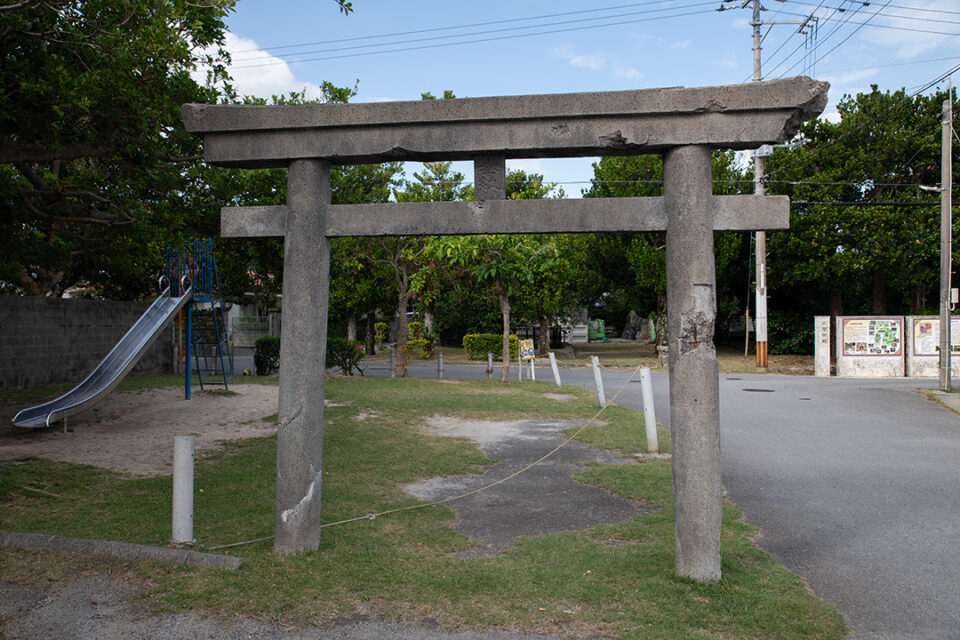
<point>112,369</point>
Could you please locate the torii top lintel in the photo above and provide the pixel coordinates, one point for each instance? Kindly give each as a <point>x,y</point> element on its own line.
<point>559,125</point>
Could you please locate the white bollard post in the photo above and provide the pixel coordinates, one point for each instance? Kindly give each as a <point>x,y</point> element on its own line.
<point>533,371</point>
<point>556,370</point>
<point>519,364</point>
<point>489,364</point>
<point>649,415</point>
<point>183,490</point>
<point>440,364</point>
<point>598,381</point>
<point>393,362</point>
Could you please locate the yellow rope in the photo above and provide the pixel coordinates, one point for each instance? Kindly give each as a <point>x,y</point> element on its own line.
<point>423,505</point>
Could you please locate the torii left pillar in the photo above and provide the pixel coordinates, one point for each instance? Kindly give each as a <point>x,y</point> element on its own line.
<point>303,346</point>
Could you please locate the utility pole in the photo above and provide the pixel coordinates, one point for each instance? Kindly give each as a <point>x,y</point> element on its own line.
<point>760,314</point>
<point>946,232</point>
<point>760,306</point>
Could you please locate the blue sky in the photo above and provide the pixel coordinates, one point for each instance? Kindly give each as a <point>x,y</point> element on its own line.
<point>397,50</point>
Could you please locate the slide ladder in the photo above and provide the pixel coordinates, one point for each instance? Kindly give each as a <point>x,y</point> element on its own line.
<point>206,330</point>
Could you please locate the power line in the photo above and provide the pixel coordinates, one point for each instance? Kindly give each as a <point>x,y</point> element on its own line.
<point>874,120</point>
<point>464,26</point>
<point>842,42</point>
<point>579,22</point>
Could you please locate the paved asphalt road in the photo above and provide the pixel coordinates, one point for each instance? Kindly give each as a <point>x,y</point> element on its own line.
<point>854,483</point>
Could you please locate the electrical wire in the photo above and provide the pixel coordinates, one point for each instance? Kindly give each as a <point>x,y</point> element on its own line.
<point>479,40</point>
<point>870,121</point>
<point>464,26</point>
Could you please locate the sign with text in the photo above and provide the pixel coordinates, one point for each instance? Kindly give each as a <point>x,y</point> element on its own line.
<point>872,336</point>
<point>926,336</point>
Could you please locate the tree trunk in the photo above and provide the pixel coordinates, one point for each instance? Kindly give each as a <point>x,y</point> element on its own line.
<point>836,303</point>
<point>544,346</point>
<point>403,332</point>
<point>879,282</point>
<point>45,282</point>
<point>660,324</point>
<point>352,327</point>
<point>369,337</point>
<point>505,312</point>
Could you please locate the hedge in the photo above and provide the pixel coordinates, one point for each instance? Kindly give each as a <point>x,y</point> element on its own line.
<point>478,345</point>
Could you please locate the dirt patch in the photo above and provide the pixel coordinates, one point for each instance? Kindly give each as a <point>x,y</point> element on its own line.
<point>133,431</point>
<point>559,397</point>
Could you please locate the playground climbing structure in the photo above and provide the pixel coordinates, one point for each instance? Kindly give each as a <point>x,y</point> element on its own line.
<point>205,330</point>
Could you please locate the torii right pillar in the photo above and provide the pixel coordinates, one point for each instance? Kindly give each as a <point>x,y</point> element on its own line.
<point>694,380</point>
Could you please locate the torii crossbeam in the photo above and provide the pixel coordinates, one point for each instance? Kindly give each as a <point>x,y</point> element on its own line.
<point>684,125</point>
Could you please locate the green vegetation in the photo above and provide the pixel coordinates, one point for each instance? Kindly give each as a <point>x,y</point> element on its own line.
<point>615,580</point>
<point>266,355</point>
<point>478,345</point>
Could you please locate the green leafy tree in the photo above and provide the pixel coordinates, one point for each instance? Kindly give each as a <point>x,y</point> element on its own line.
<point>91,131</point>
<point>851,243</point>
<point>499,263</point>
<point>627,271</point>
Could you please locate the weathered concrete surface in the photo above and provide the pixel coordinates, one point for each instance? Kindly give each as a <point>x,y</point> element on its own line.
<point>584,215</point>
<point>543,500</point>
<point>559,125</point>
<point>117,550</point>
<point>303,346</point>
<point>821,346</point>
<point>490,178</point>
<point>694,387</point>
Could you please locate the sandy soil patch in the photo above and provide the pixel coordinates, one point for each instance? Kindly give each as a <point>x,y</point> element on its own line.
<point>560,397</point>
<point>133,431</point>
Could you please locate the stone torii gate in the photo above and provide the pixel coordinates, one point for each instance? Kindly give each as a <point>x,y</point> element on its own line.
<point>684,125</point>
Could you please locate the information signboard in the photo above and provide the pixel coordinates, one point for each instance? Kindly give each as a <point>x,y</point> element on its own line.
<point>526,349</point>
<point>926,336</point>
<point>872,336</point>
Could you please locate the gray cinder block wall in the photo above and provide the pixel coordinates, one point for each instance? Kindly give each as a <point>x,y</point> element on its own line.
<point>52,340</point>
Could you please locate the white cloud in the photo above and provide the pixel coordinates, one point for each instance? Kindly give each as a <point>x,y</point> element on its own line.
<point>592,61</point>
<point>626,71</point>
<point>256,72</point>
<point>907,44</point>
<point>681,44</point>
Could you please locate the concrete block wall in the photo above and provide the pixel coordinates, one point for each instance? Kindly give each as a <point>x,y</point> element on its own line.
<point>52,341</point>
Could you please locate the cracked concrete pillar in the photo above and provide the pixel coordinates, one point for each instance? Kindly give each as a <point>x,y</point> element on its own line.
<point>490,178</point>
<point>303,342</point>
<point>694,382</point>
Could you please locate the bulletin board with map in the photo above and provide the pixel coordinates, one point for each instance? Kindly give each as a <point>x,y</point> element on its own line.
<point>872,336</point>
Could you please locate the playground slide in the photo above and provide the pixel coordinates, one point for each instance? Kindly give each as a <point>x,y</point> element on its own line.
<point>111,369</point>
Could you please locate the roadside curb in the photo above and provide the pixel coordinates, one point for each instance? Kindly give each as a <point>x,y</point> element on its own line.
<point>117,550</point>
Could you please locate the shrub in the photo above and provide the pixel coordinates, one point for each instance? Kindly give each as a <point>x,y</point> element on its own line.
<point>420,348</point>
<point>478,344</point>
<point>416,331</point>
<point>345,354</point>
<point>380,330</point>
<point>266,355</point>
<point>792,334</point>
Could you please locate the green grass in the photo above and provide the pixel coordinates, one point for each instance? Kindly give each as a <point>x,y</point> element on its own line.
<point>615,580</point>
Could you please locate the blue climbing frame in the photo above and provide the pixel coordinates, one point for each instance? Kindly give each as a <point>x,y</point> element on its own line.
<point>206,339</point>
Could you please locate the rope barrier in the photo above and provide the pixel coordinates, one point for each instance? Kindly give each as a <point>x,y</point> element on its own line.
<point>436,503</point>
